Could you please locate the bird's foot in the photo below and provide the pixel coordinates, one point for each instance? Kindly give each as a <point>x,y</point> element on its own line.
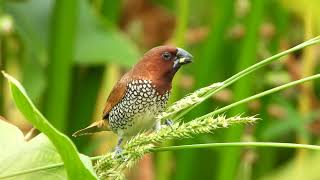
<point>158,125</point>
<point>169,123</point>
<point>118,152</point>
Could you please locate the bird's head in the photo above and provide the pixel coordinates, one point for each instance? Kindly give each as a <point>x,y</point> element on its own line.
<point>163,62</point>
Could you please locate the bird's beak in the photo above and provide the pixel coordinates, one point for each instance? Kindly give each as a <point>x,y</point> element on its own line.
<point>182,57</point>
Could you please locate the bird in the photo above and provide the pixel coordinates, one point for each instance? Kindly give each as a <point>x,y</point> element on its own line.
<point>140,95</point>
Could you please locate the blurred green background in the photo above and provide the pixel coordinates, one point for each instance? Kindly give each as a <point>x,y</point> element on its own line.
<point>69,53</point>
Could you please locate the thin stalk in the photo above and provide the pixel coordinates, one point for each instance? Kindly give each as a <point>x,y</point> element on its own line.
<point>237,144</point>
<point>270,91</point>
<point>185,147</point>
<point>249,70</point>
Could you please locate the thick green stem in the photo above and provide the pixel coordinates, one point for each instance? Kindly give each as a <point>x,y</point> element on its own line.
<point>62,35</point>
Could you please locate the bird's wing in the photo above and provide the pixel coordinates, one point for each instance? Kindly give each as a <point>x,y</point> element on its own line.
<point>116,95</point>
<point>114,98</point>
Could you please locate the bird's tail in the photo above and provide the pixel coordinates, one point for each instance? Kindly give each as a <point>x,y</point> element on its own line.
<point>97,126</point>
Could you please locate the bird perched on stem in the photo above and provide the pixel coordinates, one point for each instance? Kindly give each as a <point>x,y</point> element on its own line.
<point>140,95</point>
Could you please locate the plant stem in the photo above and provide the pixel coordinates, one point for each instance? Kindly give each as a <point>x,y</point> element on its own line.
<point>250,69</point>
<point>270,91</point>
<point>237,144</point>
<point>60,62</point>
<point>185,147</point>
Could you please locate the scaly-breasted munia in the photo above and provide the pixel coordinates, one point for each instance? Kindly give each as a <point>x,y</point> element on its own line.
<point>141,94</point>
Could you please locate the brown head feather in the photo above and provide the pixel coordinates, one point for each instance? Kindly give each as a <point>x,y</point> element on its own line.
<point>153,67</point>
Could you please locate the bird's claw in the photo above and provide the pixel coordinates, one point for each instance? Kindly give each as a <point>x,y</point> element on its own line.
<point>118,152</point>
<point>169,123</point>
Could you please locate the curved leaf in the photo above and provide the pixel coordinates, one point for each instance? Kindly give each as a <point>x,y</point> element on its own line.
<point>11,138</point>
<point>75,168</point>
<point>19,156</point>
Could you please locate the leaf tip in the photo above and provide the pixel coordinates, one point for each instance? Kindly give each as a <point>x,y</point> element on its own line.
<point>4,73</point>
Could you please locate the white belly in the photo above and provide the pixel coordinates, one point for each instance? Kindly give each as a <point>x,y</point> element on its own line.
<point>142,122</point>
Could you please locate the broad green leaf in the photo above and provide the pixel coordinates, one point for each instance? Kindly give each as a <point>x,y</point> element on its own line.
<point>75,168</point>
<point>19,156</point>
<point>97,45</point>
<point>11,138</point>
<point>94,43</point>
<point>102,47</point>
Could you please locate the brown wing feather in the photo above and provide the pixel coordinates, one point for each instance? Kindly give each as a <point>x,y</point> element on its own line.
<point>116,95</point>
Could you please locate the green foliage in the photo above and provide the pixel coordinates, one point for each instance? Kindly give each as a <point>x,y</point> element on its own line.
<point>60,51</point>
<point>19,155</point>
<point>76,169</point>
<point>224,36</point>
<point>111,166</point>
<point>94,44</point>
<point>24,160</point>
<point>248,55</point>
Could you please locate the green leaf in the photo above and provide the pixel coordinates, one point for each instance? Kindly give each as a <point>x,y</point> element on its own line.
<point>11,138</point>
<point>97,45</point>
<point>101,47</point>
<point>76,169</point>
<point>94,43</point>
<point>19,156</point>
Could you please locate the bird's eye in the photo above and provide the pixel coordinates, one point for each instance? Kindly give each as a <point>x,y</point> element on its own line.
<point>166,56</point>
